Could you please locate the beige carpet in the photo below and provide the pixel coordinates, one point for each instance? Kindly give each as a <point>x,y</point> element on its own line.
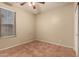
<point>37,49</point>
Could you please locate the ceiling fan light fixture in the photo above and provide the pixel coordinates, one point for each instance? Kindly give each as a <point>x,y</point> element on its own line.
<point>31,3</point>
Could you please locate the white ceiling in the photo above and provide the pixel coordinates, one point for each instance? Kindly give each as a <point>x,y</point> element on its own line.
<point>41,7</point>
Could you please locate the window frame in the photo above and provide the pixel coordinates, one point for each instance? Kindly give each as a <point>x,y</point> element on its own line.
<point>14,24</point>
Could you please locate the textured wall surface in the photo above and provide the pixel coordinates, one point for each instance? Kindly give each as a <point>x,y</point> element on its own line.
<point>24,27</point>
<point>57,26</point>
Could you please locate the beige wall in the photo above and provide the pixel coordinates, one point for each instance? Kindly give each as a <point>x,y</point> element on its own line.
<point>57,26</point>
<point>24,28</point>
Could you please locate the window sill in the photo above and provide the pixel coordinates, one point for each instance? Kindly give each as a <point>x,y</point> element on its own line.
<point>5,37</point>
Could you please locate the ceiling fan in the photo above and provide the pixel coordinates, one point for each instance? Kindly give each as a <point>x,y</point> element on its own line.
<point>32,4</point>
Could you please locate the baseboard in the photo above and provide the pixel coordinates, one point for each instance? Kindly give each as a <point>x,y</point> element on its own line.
<point>20,43</point>
<point>55,43</point>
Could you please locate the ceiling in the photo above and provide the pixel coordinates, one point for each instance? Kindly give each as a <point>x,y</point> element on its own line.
<point>41,7</point>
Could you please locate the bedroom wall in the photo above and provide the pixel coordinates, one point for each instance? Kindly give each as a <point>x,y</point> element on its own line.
<point>24,28</point>
<point>57,26</point>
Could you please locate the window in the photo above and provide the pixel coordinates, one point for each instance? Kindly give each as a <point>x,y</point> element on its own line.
<point>7,23</point>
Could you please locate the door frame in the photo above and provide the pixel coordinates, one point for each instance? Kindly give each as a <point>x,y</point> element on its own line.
<point>76,23</point>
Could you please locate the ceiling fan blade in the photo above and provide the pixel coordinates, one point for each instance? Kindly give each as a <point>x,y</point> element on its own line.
<point>34,7</point>
<point>42,2</point>
<point>78,3</point>
<point>7,3</point>
<point>23,3</point>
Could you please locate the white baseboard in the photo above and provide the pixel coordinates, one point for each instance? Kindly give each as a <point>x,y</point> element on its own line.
<point>20,43</point>
<point>55,43</point>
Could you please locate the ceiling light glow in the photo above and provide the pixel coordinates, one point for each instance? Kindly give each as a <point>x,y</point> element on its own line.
<point>29,3</point>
